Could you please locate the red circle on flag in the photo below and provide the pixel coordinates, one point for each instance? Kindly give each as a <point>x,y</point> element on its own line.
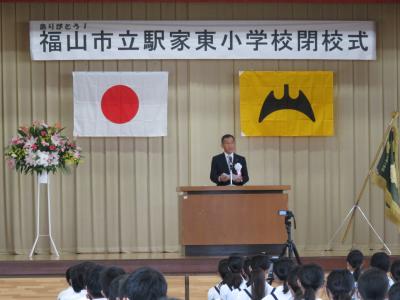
<point>120,104</point>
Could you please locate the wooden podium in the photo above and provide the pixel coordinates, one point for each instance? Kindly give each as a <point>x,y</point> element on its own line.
<point>219,220</point>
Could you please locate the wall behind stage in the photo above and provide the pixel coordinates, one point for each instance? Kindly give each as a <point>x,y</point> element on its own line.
<point>122,198</point>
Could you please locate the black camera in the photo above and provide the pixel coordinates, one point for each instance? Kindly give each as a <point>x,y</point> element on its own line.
<point>286,213</point>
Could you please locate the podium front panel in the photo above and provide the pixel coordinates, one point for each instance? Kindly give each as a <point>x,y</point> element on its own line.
<point>233,217</point>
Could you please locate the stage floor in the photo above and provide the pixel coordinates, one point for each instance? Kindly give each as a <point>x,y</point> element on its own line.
<point>168,263</point>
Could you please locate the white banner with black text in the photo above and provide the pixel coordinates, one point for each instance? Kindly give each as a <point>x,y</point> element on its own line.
<point>118,40</point>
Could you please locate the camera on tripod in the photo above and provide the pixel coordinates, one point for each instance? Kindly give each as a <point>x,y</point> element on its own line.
<point>289,248</point>
<point>286,213</point>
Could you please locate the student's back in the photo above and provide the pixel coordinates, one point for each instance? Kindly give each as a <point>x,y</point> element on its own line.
<point>373,284</point>
<point>214,293</point>
<point>355,261</point>
<point>234,279</point>
<point>281,270</point>
<point>381,260</point>
<point>340,285</point>
<point>311,278</point>
<point>257,287</point>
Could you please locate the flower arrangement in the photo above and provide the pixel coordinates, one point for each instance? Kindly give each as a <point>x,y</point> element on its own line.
<point>41,148</point>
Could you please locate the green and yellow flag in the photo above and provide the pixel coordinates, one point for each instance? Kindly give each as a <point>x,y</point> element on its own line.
<point>286,103</point>
<point>386,176</point>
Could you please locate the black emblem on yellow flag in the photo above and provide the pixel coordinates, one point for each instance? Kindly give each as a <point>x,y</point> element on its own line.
<point>301,104</point>
<point>286,103</point>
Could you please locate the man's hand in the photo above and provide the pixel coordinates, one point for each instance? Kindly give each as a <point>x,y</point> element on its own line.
<point>224,178</point>
<point>238,179</point>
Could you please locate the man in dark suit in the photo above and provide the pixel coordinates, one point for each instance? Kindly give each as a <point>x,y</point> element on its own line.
<point>228,161</point>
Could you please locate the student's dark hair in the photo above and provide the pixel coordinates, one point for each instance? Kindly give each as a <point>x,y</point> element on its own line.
<point>247,268</point>
<point>281,269</point>
<point>380,260</point>
<point>234,277</point>
<point>395,270</point>
<point>227,136</point>
<point>106,276</point>
<point>68,275</point>
<point>340,284</point>
<point>93,284</point>
<point>394,291</point>
<point>223,269</point>
<point>293,282</point>
<point>373,284</point>
<point>311,278</point>
<point>78,275</point>
<point>259,265</point>
<point>355,258</point>
<point>145,284</point>
<point>115,289</point>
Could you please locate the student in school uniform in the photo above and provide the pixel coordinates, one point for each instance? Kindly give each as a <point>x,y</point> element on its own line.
<point>235,281</point>
<point>78,278</point>
<point>68,292</point>
<point>293,283</point>
<point>381,260</point>
<point>394,292</point>
<point>115,288</point>
<point>281,271</point>
<point>373,284</point>
<point>93,284</point>
<point>257,288</point>
<point>223,270</point>
<point>311,278</point>
<point>340,285</point>
<point>355,262</point>
<point>247,269</point>
<point>395,271</point>
<point>107,276</point>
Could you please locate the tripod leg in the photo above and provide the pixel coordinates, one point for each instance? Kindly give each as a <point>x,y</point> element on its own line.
<point>296,254</point>
<point>283,253</point>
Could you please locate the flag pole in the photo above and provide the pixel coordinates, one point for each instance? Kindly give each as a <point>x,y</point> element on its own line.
<point>352,211</point>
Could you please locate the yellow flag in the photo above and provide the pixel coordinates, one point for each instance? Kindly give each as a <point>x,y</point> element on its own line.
<point>286,103</point>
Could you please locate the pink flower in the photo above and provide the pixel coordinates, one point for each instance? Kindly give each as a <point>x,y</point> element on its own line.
<point>11,163</point>
<point>34,147</point>
<point>44,143</point>
<point>52,147</point>
<point>43,133</point>
<point>15,140</point>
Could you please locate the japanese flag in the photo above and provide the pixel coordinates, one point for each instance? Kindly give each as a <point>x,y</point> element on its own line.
<point>120,103</point>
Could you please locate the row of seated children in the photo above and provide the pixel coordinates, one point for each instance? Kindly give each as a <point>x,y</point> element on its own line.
<point>247,279</point>
<point>88,280</point>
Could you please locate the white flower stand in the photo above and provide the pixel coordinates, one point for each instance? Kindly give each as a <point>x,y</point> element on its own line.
<point>43,179</point>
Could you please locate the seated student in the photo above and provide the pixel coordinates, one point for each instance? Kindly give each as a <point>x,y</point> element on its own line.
<point>106,276</point>
<point>395,271</point>
<point>281,269</point>
<point>93,285</point>
<point>223,270</point>
<point>381,260</point>
<point>394,292</point>
<point>115,289</point>
<point>78,279</point>
<point>247,268</point>
<point>373,284</point>
<point>257,287</point>
<point>311,278</point>
<point>340,285</point>
<point>68,292</point>
<point>144,284</point>
<point>293,282</point>
<point>234,279</point>
<point>355,261</point>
